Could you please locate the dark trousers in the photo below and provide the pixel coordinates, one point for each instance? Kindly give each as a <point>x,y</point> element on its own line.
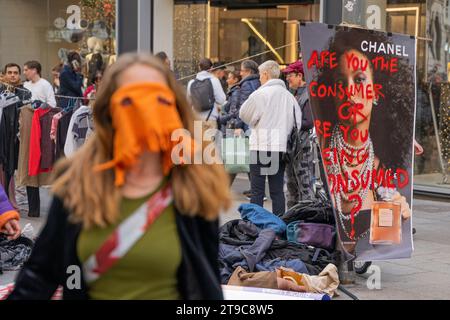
<point>8,179</point>
<point>270,165</point>
<point>34,202</point>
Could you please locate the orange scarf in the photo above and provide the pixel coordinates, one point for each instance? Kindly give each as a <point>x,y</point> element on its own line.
<point>144,115</point>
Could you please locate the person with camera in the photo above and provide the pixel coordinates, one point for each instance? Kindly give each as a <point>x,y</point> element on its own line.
<point>71,79</point>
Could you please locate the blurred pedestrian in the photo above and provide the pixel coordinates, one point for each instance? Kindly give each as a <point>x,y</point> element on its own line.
<point>135,224</point>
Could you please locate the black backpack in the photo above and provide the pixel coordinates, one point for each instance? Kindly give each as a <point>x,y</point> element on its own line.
<point>202,94</point>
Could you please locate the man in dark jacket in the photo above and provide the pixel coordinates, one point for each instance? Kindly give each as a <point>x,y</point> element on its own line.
<point>299,169</point>
<point>249,83</point>
<point>71,80</point>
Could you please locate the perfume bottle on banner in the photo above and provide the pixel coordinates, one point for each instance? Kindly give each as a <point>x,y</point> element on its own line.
<point>386,221</point>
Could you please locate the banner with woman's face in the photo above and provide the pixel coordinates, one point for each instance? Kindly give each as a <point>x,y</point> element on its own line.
<point>362,92</point>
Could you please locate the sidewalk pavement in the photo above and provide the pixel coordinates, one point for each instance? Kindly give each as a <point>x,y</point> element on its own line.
<point>425,276</point>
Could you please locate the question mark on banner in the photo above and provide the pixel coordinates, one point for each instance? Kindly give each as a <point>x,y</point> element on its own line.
<point>354,198</point>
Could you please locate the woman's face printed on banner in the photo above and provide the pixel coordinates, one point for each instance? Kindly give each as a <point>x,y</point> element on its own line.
<point>347,76</point>
<point>362,86</point>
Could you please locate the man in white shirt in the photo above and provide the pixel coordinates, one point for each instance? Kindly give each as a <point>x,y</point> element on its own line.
<point>217,93</point>
<point>269,111</point>
<point>40,88</point>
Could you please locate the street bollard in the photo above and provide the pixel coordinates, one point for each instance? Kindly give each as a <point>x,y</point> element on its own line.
<point>346,273</point>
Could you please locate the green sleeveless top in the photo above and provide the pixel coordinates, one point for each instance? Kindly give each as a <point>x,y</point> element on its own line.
<point>149,269</point>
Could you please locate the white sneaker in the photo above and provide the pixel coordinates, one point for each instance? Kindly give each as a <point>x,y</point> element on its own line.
<point>249,198</point>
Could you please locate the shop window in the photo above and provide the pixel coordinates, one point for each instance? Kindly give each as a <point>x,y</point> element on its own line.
<point>46,30</point>
<point>230,34</point>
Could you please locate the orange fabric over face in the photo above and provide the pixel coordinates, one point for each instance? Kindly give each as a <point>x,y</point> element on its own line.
<point>144,115</point>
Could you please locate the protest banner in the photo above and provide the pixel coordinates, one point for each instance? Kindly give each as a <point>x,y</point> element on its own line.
<point>362,93</point>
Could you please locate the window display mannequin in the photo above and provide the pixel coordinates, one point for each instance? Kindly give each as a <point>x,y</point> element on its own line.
<point>113,57</point>
<point>95,45</point>
<point>95,58</point>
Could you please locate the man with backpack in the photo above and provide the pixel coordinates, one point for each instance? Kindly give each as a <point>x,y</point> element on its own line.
<point>206,93</point>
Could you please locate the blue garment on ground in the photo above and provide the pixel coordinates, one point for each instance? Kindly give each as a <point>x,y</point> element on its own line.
<point>262,218</point>
<point>252,257</point>
<point>271,265</point>
<point>231,257</point>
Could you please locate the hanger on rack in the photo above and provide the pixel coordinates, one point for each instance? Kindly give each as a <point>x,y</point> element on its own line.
<point>7,98</point>
<point>25,98</point>
<point>70,105</point>
<point>36,104</point>
<point>44,105</point>
<point>26,102</point>
<point>8,88</point>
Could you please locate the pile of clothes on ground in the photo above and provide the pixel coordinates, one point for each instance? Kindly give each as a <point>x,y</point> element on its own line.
<point>293,252</point>
<point>6,290</point>
<point>14,253</point>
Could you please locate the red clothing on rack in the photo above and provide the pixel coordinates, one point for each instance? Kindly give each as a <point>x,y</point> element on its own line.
<point>34,161</point>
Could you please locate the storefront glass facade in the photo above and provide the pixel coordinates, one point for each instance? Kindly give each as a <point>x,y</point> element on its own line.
<point>46,30</point>
<point>229,34</point>
<point>429,21</point>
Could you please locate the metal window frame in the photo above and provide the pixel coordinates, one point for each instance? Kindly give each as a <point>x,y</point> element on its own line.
<point>134,21</point>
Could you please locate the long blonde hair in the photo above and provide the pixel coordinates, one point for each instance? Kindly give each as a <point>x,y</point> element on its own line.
<point>92,198</point>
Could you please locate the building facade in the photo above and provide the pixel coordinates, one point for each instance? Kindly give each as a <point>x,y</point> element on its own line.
<point>46,30</point>
<point>228,31</point>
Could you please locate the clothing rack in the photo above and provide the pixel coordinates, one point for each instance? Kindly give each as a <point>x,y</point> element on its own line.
<point>25,103</point>
<point>74,98</point>
<point>56,95</point>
